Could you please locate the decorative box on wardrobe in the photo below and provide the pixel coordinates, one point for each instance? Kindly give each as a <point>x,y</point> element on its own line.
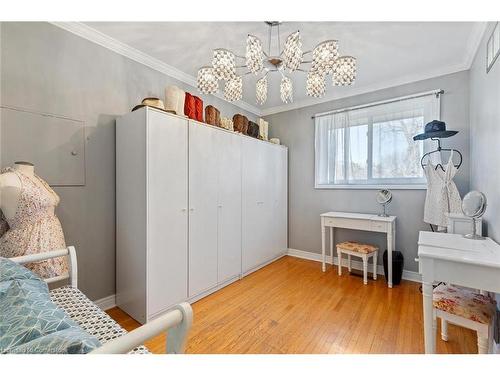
<point>194,203</point>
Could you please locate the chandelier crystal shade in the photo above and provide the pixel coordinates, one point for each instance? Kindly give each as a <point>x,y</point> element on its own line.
<point>234,89</point>
<point>207,82</point>
<point>255,55</point>
<point>261,90</point>
<point>292,52</point>
<point>286,90</point>
<point>324,56</point>
<point>323,60</point>
<point>315,85</point>
<point>344,72</point>
<point>224,64</point>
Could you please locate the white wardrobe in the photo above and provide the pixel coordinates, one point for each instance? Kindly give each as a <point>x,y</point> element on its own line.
<point>197,207</point>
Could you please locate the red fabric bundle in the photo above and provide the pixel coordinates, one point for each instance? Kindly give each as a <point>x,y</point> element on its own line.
<point>190,106</point>
<point>198,108</point>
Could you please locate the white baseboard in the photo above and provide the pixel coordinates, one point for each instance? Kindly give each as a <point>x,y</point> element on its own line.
<point>106,303</point>
<point>357,265</point>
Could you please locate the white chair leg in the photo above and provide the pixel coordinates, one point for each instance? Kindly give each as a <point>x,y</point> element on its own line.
<point>339,256</point>
<point>374,259</point>
<point>482,344</point>
<point>365,269</point>
<point>444,329</point>
<point>349,262</point>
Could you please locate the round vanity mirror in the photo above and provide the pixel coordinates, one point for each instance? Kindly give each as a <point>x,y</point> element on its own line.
<point>384,197</point>
<point>474,206</point>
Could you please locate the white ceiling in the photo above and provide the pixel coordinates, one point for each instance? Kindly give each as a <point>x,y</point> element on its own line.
<point>388,53</point>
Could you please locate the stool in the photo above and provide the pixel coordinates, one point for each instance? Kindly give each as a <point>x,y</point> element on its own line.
<point>361,250</point>
<point>465,308</point>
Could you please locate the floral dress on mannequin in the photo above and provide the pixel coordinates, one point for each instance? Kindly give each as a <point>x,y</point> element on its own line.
<point>35,228</point>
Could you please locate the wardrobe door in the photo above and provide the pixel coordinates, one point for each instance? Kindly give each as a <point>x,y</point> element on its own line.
<point>268,186</point>
<point>279,200</point>
<point>167,175</point>
<point>229,205</point>
<point>203,183</point>
<point>282,201</point>
<point>253,203</point>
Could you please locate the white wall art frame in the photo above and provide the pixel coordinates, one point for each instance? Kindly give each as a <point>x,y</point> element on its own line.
<point>493,47</point>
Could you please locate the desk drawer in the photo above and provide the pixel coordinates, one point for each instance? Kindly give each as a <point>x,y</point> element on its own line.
<point>378,226</point>
<point>340,222</point>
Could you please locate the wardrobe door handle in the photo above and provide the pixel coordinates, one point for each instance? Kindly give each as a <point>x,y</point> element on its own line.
<point>191,209</point>
<point>184,209</point>
<point>220,205</point>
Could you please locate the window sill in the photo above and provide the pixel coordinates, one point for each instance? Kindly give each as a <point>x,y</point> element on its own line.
<point>374,187</point>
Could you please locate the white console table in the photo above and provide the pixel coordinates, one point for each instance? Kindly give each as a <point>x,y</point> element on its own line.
<point>453,259</point>
<point>359,221</point>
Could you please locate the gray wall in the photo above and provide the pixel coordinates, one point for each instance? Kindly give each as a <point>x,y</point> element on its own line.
<point>296,130</point>
<point>485,134</point>
<point>46,69</point>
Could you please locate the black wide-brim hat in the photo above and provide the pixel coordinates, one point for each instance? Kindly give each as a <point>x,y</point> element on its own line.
<point>435,129</point>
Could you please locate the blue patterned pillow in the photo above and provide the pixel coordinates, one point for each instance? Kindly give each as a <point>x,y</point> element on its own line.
<point>10,270</point>
<point>27,313</point>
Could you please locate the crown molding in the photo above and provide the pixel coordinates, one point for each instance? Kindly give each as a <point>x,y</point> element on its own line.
<point>84,31</point>
<point>474,42</point>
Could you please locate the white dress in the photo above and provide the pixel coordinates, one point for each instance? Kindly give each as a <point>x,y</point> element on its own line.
<point>442,194</point>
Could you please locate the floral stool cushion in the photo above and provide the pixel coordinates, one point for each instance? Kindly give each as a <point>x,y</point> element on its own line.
<point>357,246</point>
<point>464,303</point>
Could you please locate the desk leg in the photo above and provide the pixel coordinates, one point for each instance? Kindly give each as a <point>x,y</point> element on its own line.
<point>323,250</point>
<point>429,334</point>
<point>331,243</point>
<point>390,244</point>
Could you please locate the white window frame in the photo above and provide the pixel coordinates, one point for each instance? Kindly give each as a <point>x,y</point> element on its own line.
<point>384,183</point>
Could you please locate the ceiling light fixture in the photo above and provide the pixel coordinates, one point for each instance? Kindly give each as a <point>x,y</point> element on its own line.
<point>233,90</point>
<point>207,82</point>
<point>344,71</point>
<point>315,85</point>
<point>325,61</point>
<point>261,90</point>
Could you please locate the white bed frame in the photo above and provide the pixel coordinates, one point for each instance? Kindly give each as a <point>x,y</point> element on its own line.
<point>177,321</point>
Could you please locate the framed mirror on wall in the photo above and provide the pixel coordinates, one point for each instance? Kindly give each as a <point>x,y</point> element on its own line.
<point>493,48</point>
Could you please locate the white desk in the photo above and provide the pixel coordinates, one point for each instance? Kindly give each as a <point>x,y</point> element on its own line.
<point>368,222</point>
<point>453,259</point>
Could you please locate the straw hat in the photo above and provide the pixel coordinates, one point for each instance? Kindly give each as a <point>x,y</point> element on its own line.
<point>153,103</point>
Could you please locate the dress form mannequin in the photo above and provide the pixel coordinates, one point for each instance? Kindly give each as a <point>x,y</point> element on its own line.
<point>28,224</point>
<point>10,188</point>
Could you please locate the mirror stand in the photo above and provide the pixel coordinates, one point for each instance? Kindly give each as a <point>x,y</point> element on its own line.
<point>384,213</point>
<point>474,235</point>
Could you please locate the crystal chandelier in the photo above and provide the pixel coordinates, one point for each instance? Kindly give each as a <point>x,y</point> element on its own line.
<point>233,90</point>
<point>207,81</point>
<point>315,84</point>
<point>286,89</point>
<point>261,90</point>
<point>325,60</point>
<point>344,71</point>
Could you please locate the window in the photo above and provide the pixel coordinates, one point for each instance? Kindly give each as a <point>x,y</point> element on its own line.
<point>373,145</point>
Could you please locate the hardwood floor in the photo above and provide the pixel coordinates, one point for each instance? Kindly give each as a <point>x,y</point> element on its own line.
<point>290,306</point>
